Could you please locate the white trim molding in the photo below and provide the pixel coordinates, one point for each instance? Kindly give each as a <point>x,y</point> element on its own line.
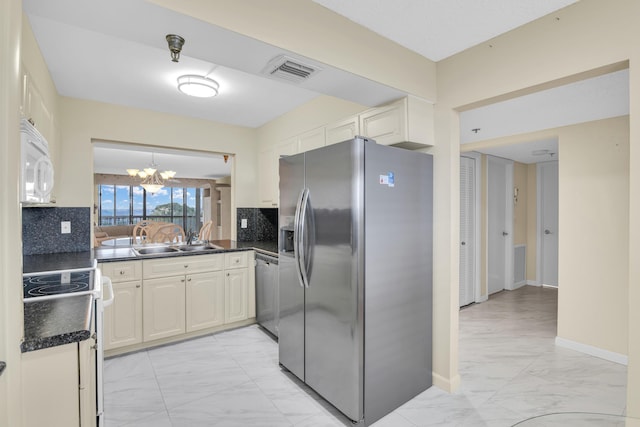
<point>593,351</point>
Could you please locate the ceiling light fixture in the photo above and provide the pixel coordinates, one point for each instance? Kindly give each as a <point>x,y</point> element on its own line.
<point>175,46</point>
<point>152,180</point>
<point>200,86</point>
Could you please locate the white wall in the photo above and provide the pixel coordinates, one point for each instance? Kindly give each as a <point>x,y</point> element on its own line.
<point>82,121</point>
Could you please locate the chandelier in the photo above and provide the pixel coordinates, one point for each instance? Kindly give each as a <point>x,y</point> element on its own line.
<point>152,180</point>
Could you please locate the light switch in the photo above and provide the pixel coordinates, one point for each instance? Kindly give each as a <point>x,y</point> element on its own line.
<point>65,227</point>
<point>243,223</point>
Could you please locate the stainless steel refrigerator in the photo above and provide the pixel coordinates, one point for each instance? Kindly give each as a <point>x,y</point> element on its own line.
<point>355,271</point>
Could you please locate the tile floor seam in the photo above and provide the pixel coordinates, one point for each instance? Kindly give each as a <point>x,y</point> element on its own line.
<point>155,376</point>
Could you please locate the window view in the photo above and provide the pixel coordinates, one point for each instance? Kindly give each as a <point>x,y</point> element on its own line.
<point>121,204</point>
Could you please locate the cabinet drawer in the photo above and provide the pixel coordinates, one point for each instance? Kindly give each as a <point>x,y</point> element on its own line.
<point>236,259</point>
<point>122,271</point>
<point>175,266</point>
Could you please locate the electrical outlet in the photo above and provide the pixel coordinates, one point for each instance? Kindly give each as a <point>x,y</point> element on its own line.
<point>243,223</point>
<point>65,227</point>
<point>65,277</point>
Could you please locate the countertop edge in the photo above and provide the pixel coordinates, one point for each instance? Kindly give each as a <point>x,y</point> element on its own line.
<point>34,344</point>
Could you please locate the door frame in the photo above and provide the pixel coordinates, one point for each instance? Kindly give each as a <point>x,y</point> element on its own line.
<point>508,164</point>
<point>477,246</point>
<point>539,226</point>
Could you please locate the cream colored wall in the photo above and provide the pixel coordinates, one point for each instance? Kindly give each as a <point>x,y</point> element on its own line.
<point>83,121</point>
<point>587,35</point>
<point>318,112</point>
<point>520,209</point>
<point>593,273</point>
<point>11,317</point>
<point>532,215</point>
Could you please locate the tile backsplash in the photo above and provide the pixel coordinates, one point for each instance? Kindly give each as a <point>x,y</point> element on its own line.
<point>262,224</point>
<point>41,230</point>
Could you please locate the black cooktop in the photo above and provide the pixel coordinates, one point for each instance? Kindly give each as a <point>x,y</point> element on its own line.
<point>57,283</point>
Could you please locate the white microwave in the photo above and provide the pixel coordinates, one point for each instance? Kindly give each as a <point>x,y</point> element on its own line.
<point>36,181</point>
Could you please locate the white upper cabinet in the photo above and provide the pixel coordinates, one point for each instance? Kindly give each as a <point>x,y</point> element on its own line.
<point>342,131</point>
<point>310,140</point>
<point>406,123</point>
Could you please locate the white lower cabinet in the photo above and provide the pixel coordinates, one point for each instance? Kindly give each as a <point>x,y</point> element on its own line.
<point>236,286</point>
<point>165,298</point>
<point>163,307</point>
<point>205,300</point>
<point>123,318</point>
<point>61,380</point>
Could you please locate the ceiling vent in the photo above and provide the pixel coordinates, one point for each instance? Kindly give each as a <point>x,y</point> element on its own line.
<point>285,68</point>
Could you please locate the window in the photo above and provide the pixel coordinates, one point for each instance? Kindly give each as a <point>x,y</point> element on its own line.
<point>121,204</point>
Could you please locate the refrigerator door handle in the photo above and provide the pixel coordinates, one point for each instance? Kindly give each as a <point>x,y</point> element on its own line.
<point>302,259</point>
<point>297,232</point>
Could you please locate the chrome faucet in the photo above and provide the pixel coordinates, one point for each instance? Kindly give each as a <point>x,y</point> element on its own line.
<point>191,236</point>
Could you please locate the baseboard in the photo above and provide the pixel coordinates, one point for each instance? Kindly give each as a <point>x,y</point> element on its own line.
<point>533,283</point>
<point>517,285</point>
<point>593,351</point>
<point>482,298</point>
<point>448,385</point>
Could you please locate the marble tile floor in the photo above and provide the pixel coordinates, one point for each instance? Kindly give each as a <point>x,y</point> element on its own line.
<point>510,371</point>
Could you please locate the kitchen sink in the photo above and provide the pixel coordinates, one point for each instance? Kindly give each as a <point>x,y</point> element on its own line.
<point>172,249</point>
<point>195,248</point>
<point>154,250</point>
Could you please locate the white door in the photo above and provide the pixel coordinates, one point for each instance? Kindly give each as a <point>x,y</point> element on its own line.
<point>500,224</point>
<point>467,230</point>
<point>548,223</point>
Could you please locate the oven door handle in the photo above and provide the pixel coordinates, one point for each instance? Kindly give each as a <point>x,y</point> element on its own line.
<point>107,301</point>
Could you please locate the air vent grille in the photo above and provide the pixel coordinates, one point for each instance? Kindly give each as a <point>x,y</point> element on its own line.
<point>286,68</point>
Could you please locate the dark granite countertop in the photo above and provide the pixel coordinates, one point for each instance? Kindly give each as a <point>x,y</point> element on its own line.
<point>125,253</point>
<point>56,322</point>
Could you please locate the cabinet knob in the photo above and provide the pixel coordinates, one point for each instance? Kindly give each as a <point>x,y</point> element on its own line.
<point>186,266</point>
<point>137,286</point>
<point>182,280</point>
<point>121,272</point>
<point>189,279</point>
<point>228,274</point>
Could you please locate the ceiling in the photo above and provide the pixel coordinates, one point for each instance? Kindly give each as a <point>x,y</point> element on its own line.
<point>99,51</point>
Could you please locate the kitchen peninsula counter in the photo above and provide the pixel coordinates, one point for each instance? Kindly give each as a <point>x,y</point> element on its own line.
<point>56,322</point>
<point>123,251</point>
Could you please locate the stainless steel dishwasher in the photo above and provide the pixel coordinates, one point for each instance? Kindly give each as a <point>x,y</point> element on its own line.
<point>267,305</point>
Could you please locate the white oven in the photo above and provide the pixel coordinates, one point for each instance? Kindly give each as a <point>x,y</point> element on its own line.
<point>36,179</point>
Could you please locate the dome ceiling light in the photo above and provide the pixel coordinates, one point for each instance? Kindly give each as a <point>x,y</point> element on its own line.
<point>199,86</point>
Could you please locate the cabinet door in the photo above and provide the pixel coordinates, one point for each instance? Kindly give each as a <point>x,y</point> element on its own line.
<point>343,130</point>
<point>310,140</point>
<point>205,300</point>
<point>386,125</point>
<point>236,283</point>
<point>50,380</point>
<point>123,318</point>
<point>163,306</point>
<point>267,173</point>
<point>87,386</point>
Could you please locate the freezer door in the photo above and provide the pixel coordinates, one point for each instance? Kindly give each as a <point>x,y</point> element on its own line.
<point>398,268</point>
<point>291,322</point>
<point>331,250</point>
